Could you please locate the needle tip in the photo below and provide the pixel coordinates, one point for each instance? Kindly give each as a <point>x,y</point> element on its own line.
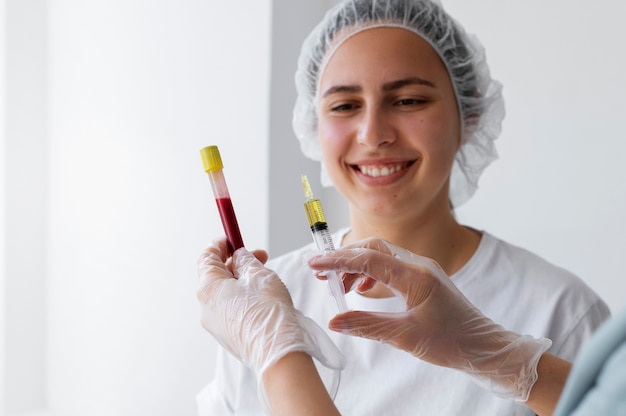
<point>306,187</point>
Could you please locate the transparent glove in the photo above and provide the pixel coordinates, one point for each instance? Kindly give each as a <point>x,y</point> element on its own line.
<point>440,325</point>
<point>248,310</point>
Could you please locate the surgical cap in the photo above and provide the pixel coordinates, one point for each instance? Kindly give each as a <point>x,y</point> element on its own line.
<point>479,98</point>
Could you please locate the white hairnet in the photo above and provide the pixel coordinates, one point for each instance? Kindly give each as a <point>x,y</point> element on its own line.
<point>479,97</point>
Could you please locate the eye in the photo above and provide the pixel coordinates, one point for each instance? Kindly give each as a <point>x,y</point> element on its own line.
<point>410,102</point>
<point>343,107</point>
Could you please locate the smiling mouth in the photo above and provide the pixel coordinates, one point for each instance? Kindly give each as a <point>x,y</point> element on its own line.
<point>376,171</point>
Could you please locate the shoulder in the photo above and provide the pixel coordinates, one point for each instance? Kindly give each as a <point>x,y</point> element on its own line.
<point>529,294</point>
<point>530,268</point>
<point>505,254</point>
<point>536,277</point>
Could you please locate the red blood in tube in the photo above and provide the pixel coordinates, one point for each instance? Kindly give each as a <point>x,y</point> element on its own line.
<point>229,221</point>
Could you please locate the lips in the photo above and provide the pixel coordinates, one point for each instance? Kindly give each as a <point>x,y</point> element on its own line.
<point>381,170</point>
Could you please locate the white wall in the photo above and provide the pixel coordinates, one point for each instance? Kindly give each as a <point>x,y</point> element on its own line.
<point>24,192</point>
<point>3,338</point>
<point>137,88</point>
<point>127,94</point>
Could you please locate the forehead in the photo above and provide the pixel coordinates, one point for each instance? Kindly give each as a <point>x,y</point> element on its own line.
<point>381,53</point>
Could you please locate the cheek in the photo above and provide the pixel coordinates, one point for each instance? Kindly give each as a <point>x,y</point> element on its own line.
<point>443,133</point>
<point>334,138</point>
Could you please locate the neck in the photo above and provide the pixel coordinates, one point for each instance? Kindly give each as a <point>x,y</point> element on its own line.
<point>438,236</point>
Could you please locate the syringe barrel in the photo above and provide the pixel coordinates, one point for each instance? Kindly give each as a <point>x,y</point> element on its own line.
<point>322,238</point>
<point>314,212</point>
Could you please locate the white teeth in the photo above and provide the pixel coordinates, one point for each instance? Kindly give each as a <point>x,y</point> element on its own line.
<point>375,171</point>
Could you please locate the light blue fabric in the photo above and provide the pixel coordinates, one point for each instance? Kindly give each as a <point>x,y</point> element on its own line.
<point>597,383</point>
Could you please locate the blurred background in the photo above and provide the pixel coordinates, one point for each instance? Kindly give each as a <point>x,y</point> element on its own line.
<point>104,105</point>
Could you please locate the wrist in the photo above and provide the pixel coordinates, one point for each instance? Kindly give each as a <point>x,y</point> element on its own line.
<point>509,369</point>
<point>552,374</point>
<point>293,386</point>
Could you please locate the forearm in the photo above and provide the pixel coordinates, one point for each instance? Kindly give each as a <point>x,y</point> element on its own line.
<point>294,387</point>
<point>552,372</point>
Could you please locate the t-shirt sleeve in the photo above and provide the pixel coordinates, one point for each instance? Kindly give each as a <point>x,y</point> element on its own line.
<point>568,346</point>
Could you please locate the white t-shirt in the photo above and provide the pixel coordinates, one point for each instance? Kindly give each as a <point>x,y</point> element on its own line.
<point>510,285</point>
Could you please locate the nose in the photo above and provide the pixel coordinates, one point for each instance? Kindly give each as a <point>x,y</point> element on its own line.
<point>375,129</point>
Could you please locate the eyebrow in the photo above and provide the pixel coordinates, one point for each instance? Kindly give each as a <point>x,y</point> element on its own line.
<point>390,86</point>
<point>394,85</point>
<point>341,88</point>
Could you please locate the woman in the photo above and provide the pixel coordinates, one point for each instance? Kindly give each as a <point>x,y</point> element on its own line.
<point>396,101</point>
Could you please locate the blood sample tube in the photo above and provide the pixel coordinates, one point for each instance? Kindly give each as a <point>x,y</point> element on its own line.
<point>212,162</point>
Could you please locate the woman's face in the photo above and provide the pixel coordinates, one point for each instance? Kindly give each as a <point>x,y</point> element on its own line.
<point>388,123</point>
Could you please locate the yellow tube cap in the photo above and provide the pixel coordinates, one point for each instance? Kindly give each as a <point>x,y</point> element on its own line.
<point>211,159</point>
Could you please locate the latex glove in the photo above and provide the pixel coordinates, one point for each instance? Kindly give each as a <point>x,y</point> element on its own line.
<point>439,325</point>
<point>249,311</point>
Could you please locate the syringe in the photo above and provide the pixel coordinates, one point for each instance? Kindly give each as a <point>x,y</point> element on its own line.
<point>323,240</point>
